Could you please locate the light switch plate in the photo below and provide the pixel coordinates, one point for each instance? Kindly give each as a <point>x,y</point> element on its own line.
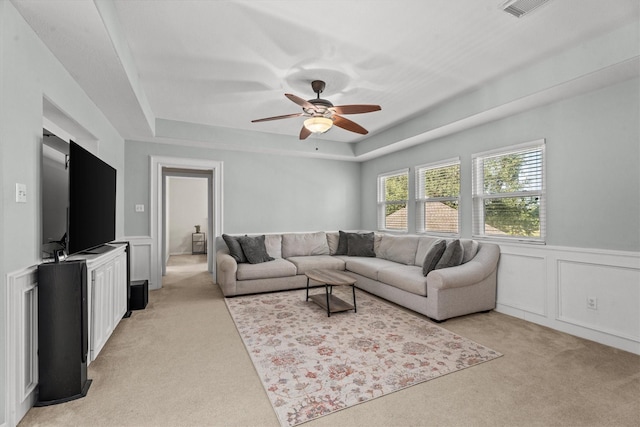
<point>139,208</point>
<point>21,193</point>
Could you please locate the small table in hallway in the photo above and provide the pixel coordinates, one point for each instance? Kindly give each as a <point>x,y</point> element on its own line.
<point>331,278</point>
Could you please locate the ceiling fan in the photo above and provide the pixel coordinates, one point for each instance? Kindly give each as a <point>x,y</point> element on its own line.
<point>322,114</point>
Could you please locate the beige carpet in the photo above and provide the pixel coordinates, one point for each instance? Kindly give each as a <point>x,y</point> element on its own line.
<point>181,362</point>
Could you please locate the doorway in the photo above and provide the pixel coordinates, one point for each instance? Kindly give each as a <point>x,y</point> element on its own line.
<point>159,168</point>
<point>186,205</point>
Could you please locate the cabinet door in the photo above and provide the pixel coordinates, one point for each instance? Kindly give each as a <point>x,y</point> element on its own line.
<point>98,327</point>
<point>102,296</point>
<point>119,284</point>
<point>108,300</point>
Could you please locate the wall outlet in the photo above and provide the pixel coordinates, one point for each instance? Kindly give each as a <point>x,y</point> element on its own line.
<point>592,303</point>
<point>21,193</point>
<point>139,208</point>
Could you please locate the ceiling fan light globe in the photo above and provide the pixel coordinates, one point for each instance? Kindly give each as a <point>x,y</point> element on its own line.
<point>318,124</point>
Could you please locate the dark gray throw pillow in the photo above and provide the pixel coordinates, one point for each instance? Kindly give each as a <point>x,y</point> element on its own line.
<point>254,249</point>
<point>235,250</point>
<point>360,244</point>
<point>433,256</point>
<point>452,256</point>
<point>342,244</point>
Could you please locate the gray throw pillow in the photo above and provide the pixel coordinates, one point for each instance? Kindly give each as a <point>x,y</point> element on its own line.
<point>235,250</point>
<point>360,244</point>
<point>452,256</point>
<point>433,256</point>
<point>254,249</point>
<point>342,244</point>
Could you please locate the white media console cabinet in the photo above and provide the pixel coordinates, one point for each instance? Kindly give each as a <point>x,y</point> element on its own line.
<point>107,296</point>
<point>106,305</point>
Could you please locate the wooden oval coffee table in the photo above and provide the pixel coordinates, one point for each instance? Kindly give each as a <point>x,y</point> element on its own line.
<point>331,278</point>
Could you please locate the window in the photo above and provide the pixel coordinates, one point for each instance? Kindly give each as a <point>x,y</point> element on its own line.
<point>438,197</point>
<point>509,193</point>
<point>393,195</point>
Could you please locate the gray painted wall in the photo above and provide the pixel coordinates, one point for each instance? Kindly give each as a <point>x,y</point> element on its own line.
<point>593,179</point>
<point>263,193</point>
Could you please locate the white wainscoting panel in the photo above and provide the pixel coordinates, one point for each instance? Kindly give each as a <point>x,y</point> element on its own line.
<point>615,290</point>
<point>551,285</point>
<point>22,342</point>
<point>522,282</point>
<point>141,259</point>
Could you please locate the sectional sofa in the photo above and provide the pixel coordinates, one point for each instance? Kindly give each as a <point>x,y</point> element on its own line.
<point>390,266</point>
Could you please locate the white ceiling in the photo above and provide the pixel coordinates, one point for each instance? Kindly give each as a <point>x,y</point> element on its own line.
<point>223,63</point>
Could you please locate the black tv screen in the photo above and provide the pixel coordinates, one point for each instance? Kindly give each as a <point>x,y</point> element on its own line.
<point>92,201</point>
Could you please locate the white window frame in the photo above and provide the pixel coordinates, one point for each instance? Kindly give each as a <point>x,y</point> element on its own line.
<point>422,199</point>
<point>382,203</point>
<point>478,196</point>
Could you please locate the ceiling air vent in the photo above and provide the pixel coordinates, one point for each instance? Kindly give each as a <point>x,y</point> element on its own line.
<point>520,7</point>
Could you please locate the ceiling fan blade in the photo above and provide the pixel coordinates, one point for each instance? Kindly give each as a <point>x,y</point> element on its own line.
<point>286,116</point>
<point>301,102</point>
<point>348,125</point>
<point>356,108</point>
<point>304,132</point>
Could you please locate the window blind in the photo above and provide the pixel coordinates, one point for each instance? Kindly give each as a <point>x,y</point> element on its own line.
<point>393,195</point>
<point>438,197</point>
<point>509,193</point>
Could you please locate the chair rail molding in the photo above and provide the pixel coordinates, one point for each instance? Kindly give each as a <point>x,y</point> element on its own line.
<point>159,163</point>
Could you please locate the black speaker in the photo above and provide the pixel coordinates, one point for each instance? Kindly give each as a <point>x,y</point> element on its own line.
<point>139,294</point>
<point>62,332</point>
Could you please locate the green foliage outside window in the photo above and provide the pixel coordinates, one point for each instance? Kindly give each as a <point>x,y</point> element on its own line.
<point>518,215</point>
<point>396,188</point>
<point>443,182</point>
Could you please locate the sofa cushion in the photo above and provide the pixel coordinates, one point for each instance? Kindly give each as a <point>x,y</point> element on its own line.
<point>424,244</point>
<point>341,249</point>
<point>332,241</point>
<point>368,267</point>
<point>273,243</point>
<point>277,268</point>
<point>360,244</point>
<point>433,256</point>
<point>406,277</point>
<point>235,249</point>
<point>400,249</point>
<point>306,263</point>
<point>254,249</point>
<point>452,255</point>
<point>470,249</point>
<point>303,244</point>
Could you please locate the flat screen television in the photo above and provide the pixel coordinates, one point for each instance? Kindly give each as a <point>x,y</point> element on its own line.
<point>92,201</point>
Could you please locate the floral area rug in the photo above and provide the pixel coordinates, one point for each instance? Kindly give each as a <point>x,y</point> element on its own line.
<point>312,365</point>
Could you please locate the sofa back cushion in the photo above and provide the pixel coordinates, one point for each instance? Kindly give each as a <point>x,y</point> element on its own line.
<point>332,241</point>
<point>273,243</point>
<point>400,249</point>
<point>304,244</point>
<point>470,249</point>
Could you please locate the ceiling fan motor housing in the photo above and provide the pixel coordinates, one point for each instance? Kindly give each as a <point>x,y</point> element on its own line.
<point>322,107</point>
